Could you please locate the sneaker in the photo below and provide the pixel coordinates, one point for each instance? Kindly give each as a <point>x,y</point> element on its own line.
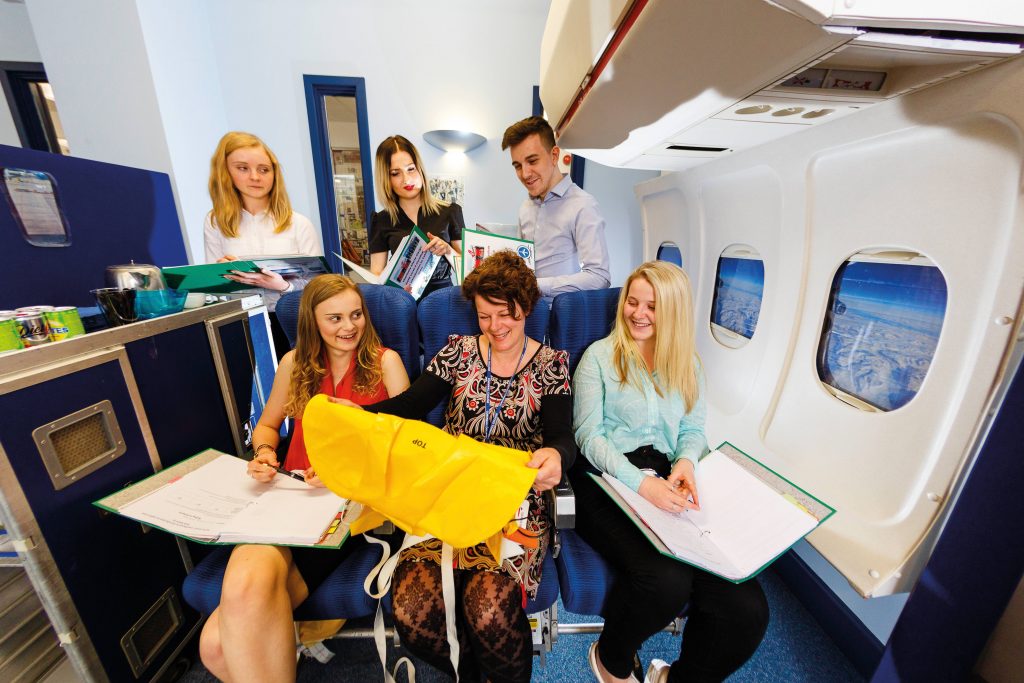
<point>657,672</point>
<point>592,659</point>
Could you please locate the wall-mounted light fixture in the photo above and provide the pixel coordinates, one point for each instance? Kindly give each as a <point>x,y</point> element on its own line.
<point>454,140</point>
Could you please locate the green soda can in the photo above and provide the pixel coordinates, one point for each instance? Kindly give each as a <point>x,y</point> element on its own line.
<point>10,334</point>
<point>64,322</point>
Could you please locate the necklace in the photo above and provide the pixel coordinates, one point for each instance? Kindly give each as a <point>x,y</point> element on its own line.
<point>488,421</point>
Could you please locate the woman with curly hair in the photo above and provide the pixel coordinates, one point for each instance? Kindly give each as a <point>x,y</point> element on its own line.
<point>250,637</point>
<point>500,387</point>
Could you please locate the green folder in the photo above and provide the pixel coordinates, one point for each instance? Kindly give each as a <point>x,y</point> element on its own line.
<point>208,277</point>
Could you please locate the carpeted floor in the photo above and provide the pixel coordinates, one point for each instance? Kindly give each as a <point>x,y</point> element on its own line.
<point>794,650</point>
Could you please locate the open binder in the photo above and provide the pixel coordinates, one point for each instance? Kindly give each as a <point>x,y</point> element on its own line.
<point>749,516</point>
<point>209,499</point>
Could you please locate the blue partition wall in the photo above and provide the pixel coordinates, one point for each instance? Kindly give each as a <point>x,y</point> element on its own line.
<point>114,213</point>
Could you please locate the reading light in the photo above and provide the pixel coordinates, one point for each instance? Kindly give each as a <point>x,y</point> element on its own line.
<point>454,140</point>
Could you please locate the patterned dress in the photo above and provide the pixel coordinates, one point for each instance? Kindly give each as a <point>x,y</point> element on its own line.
<point>519,425</point>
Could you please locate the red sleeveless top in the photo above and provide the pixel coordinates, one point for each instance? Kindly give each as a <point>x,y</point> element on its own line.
<point>297,459</point>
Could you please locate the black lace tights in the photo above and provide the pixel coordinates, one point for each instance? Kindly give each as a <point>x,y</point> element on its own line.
<point>494,634</point>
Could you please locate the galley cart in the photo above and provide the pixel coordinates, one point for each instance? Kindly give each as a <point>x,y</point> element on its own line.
<point>81,418</point>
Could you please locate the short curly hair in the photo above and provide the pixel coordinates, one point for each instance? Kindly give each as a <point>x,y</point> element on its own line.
<point>504,278</point>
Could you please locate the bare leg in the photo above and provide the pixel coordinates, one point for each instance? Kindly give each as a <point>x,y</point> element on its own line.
<point>250,636</point>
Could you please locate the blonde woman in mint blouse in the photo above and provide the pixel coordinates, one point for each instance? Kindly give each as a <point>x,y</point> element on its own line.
<point>639,416</point>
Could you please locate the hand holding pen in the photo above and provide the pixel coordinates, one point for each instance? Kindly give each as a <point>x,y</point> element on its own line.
<point>684,479</point>
<point>264,466</point>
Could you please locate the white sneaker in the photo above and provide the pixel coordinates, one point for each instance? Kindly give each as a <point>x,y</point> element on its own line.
<point>657,672</point>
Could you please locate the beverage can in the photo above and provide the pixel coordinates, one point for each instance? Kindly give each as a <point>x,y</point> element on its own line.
<point>10,334</point>
<point>33,329</point>
<point>64,322</point>
<point>33,309</point>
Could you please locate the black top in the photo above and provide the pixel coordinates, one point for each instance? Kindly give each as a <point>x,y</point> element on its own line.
<point>537,412</point>
<point>447,224</point>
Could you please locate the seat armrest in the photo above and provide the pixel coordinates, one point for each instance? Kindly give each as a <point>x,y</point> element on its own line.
<point>562,500</point>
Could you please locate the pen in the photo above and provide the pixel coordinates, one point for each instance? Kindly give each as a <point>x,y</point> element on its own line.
<point>293,475</point>
<point>283,471</point>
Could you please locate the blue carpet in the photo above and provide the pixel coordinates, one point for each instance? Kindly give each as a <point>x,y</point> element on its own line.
<point>795,649</point>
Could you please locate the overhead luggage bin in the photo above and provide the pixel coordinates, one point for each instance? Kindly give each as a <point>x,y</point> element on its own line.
<point>668,84</point>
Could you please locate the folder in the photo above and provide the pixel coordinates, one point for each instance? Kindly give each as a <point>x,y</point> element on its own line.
<point>209,499</point>
<point>749,516</point>
<point>209,277</point>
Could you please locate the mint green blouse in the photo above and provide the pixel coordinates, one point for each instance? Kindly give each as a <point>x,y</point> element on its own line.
<point>611,419</point>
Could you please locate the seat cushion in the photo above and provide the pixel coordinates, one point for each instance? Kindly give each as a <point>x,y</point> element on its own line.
<point>584,577</point>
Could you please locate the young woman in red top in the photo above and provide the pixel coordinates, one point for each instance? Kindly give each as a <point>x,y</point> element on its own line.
<point>250,636</point>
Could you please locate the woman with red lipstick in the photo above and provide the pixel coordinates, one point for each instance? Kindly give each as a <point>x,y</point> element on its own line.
<point>639,416</point>
<point>250,636</point>
<point>403,189</point>
<point>252,216</point>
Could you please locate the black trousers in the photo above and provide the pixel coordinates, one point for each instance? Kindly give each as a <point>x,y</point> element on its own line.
<point>725,623</point>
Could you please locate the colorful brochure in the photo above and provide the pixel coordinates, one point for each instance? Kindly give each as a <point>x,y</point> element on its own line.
<point>409,268</point>
<point>479,244</point>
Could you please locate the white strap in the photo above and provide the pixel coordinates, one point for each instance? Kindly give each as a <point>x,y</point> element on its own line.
<point>382,572</point>
<point>448,591</point>
<point>385,568</point>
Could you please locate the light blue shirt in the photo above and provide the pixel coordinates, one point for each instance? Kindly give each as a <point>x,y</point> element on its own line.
<point>568,236</point>
<point>612,419</point>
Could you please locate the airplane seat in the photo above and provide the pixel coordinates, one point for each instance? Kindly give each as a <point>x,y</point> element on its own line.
<point>578,319</point>
<point>445,312</point>
<point>392,310</point>
<point>334,598</point>
<point>287,311</point>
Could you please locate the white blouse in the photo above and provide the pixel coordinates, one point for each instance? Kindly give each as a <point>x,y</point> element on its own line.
<point>256,237</point>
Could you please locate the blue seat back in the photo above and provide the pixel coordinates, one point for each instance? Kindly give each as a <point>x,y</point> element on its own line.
<point>578,319</point>
<point>446,312</point>
<point>287,311</point>
<point>392,310</point>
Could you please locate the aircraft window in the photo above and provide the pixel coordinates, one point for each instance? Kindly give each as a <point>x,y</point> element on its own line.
<point>885,313</point>
<point>670,252</point>
<point>739,288</point>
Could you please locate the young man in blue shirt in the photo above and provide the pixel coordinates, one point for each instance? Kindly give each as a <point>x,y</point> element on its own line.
<point>558,217</point>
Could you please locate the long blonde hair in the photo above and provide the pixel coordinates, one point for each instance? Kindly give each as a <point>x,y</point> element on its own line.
<point>308,369</point>
<point>675,352</point>
<point>227,202</point>
<point>382,167</point>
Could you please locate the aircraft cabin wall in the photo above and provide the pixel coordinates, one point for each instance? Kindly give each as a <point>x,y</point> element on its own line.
<point>936,173</point>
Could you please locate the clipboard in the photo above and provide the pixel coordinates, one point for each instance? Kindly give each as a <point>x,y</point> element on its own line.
<point>335,535</point>
<point>788,494</point>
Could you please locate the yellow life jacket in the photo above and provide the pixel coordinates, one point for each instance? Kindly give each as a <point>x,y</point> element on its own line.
<point>423,479</point>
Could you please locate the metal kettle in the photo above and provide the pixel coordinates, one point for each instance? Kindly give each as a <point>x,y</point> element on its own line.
<point>134,275</point>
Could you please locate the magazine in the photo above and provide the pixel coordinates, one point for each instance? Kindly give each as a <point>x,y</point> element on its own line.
<point>409,268</point>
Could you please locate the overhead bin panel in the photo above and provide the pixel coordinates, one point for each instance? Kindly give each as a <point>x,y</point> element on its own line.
<point>670,68</point>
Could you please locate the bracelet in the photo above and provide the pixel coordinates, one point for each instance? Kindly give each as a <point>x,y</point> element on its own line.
<point>257,450</point>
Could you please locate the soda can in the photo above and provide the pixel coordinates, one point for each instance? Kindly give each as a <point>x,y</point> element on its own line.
<point>64,322</point>
<point>10,334</point>
<point>33,309</point>
<point>33,329</point>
